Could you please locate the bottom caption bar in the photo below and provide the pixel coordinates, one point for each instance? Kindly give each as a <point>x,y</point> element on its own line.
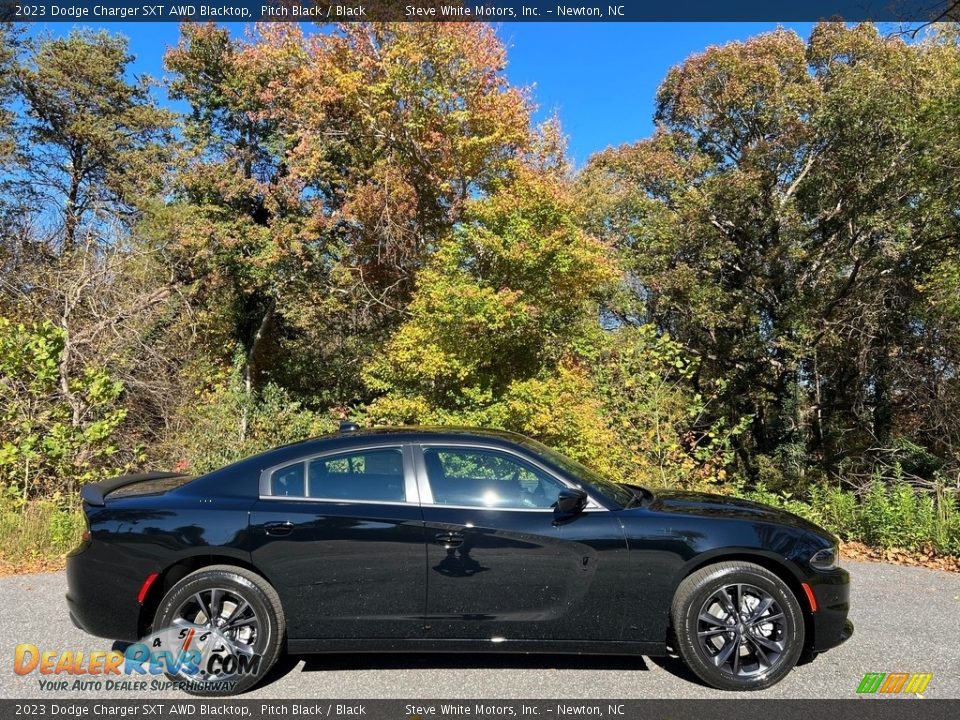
<point>732,709</point>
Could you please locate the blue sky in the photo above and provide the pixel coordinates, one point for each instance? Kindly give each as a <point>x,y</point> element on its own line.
<point>600,78</point>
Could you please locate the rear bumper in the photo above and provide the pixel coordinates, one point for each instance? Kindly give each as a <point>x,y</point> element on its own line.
<point>101,597</point>
<point>831,626</point>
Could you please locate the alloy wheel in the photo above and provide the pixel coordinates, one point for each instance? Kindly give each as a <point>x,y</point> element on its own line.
<point>221,623</point>
<point>742,630</point>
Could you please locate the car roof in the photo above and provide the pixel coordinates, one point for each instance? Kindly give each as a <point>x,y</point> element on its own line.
<point>348,439</point>
<point>364,436</point>
<point>405,433</point>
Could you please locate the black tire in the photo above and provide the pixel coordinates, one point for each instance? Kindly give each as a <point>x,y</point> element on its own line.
<point>737,651</point>
<point>263,622</point>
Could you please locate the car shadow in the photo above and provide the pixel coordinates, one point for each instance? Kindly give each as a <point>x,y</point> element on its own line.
<point>288,664</point>
<point>676,667</point>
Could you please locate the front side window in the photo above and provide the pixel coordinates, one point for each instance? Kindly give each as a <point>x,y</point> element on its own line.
<point>487,478</point>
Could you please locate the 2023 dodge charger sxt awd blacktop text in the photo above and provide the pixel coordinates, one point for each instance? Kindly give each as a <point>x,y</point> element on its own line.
<point>439,539</point>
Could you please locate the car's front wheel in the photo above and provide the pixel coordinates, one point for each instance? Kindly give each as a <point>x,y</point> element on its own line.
<point>737,626</point>
<point>222,627</point>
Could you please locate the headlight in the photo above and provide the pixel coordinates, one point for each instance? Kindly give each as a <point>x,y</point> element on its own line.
<point>826,559</point>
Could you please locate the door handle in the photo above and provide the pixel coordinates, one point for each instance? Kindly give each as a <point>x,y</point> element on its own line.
<point>278,528</point>
<point>449,539</point>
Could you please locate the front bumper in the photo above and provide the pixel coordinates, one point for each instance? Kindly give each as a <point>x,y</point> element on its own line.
<point>830,624</point>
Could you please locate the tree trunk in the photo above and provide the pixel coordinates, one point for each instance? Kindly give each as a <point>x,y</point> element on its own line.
<point>71,218</point>
<point>249,368</point>
<point>816,420</point>
<point>64,372</point>
<point>882,402</point>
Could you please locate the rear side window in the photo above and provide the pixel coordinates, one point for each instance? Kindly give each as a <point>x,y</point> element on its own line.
<point>375,475</point>
<point>361,475</point>
<point>288,481</point>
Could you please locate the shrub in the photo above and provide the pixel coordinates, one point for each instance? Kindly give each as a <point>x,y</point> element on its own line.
<point>51,438</point>
<point>643,379</point>
<point>212,437</point>
<point>887,515</point>
<point>837,508</point>
<point>878,521</point>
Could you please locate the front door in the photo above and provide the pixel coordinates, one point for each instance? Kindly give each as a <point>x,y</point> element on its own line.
<point>501,564</point>
<point>341,538</point>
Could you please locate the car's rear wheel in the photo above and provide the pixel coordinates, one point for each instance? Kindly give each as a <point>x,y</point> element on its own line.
<point>737,626</point>
<point>225,625</point>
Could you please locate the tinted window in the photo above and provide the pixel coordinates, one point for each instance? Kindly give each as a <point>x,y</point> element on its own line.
<point>487,478</point>
<point>288,481</point>
<point>362,475</point>
<point>613,491</point>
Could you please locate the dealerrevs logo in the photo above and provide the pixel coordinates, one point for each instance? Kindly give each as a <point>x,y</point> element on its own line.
<point>187,657</point>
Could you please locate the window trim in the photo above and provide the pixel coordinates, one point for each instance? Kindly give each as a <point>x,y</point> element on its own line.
<point>426,492</point>
<point>410,486</point>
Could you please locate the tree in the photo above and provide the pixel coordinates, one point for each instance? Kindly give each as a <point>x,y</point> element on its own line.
<point>497,320</point>
<point>10,41</point>
<point>777,221</point>
<point>322,172</point>
<point>418,116</point>
<point>91,158</point>
<point>242,237</point>
<point>669,431</point>
<point>414,119</point>
<point>10,44</point>
<point>94,140</point>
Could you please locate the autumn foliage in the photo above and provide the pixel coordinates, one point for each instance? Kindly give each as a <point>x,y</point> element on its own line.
<point>365,221</point>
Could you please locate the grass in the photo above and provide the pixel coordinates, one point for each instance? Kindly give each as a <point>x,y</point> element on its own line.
<point>37,535</point>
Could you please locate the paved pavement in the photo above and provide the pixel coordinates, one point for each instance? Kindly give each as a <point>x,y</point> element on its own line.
<point>907,619</point>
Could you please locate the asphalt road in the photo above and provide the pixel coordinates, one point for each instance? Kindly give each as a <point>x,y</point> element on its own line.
<point>907,619</point>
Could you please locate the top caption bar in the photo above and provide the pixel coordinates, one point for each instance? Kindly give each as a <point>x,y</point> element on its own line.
<point>44,11</point>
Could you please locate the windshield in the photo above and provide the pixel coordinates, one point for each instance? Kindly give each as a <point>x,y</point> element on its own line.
<point>622,495</point>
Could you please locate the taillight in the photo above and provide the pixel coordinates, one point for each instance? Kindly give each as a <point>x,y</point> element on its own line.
<point>86,536</point>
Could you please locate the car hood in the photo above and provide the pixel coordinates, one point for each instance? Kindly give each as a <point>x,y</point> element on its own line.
<point>705,504</point>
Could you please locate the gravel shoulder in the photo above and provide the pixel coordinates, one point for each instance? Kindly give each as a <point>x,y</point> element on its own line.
<point>907,619</point>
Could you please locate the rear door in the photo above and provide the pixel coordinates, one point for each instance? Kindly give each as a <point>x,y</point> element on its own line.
<point>501,565</point>
<point>340,536</point>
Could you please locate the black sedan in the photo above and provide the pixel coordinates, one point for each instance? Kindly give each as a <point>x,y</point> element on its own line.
<point>422,539</point>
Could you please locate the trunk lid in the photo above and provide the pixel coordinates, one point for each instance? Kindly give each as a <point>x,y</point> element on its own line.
<point>151,483</point>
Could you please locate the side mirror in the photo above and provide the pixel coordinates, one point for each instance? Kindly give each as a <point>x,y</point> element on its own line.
<point>571,501</point>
